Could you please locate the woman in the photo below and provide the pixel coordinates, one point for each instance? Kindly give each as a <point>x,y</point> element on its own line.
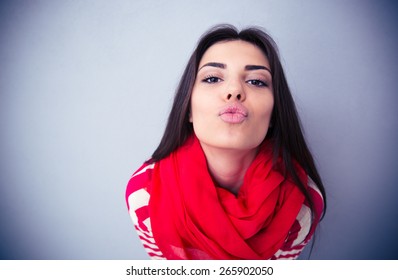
<point>232,177</point>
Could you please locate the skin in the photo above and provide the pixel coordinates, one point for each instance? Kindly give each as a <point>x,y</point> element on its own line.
<point>232,73</point>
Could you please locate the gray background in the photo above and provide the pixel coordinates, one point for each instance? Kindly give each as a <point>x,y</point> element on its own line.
<point>86,87</point>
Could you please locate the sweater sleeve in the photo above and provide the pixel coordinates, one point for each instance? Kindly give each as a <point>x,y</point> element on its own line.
<point>137,199</point>
<point>304,227</point>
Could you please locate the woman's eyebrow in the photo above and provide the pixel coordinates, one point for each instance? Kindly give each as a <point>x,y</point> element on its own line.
<point>256,67</point>
<point>214,64</point>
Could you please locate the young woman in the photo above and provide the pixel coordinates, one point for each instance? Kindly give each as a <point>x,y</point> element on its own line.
<point>232,177</point>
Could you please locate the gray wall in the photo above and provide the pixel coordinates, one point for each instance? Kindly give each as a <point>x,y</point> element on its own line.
<point>86,86</point>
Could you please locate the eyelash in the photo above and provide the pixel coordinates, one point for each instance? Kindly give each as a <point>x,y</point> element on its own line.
<point>257,82</point>
<point>208,78</point>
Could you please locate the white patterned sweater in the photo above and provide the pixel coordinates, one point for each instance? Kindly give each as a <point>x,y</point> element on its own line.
<point>137,199</point>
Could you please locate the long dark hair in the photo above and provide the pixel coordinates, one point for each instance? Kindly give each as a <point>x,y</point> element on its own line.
<point>285,133</point>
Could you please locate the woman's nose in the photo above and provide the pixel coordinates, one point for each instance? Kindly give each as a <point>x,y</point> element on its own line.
<point>231,96</point>
<point>234,92</point>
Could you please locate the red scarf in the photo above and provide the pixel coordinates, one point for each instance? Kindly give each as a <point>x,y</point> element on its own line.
<point>192,218</point>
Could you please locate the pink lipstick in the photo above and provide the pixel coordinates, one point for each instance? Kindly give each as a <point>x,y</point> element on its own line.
<point>233,113</point>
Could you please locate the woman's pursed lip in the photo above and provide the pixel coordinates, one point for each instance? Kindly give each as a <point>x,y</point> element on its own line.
<point>235,108</point>
<point>233,113</point>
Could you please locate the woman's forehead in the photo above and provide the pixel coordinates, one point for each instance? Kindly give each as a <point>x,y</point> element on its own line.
<point>236,51</point>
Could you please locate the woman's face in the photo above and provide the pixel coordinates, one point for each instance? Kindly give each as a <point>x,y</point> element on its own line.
<point>232,98</point>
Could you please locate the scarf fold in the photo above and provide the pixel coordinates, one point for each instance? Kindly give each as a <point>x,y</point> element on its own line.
<point>192,218</point>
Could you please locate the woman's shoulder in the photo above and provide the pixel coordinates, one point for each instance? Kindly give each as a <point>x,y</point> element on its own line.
<point>137,199</point>
<point>317,199</point>
<point>139,187</point>
<point>311,213</point>
<point>140,180</point>
<point>304,226</point>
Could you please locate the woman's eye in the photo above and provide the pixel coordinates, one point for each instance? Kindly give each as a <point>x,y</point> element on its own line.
<point>257,83</point>
<point>211,80</point>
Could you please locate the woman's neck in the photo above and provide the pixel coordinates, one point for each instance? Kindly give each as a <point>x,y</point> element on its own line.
<point>228,167</point>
